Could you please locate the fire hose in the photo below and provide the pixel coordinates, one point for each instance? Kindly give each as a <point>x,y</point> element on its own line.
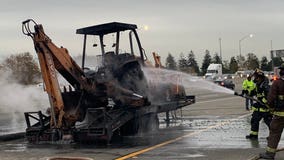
<point>250,97</point>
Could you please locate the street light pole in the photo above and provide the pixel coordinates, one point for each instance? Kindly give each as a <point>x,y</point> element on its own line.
<point>247,36</point>
<point>220,49</point>
<point>240,50</point>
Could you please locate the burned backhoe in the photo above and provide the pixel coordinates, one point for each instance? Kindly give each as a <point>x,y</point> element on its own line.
<point>109,95</point>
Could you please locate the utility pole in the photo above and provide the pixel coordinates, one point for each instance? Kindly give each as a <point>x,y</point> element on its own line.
<point>220,49</point>
<point>240,49</point>
<point>271,52</point>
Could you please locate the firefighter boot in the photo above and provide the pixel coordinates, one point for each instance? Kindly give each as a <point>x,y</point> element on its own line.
<point>252,137</point>
<point>267,155</point>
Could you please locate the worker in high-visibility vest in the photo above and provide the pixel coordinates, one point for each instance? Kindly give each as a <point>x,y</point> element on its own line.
<point>275,101</point>
<point>260,110</point>
<point>248,87</point>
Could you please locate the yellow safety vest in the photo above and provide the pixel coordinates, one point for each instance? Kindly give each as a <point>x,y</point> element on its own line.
<point>248,85</point>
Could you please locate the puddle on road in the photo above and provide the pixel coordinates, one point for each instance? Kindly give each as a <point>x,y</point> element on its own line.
<point>226,133</point>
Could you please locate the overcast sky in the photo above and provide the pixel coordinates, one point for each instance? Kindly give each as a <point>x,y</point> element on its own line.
<point>175,26</point>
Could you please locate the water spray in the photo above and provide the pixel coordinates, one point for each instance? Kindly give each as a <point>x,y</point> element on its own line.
<point>159,75</point>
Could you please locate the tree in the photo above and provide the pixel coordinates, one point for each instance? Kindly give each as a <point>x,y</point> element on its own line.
<point>264,64</point>
<point>241,61</point>
<point>252,61</point>
<point>233,66</point>
<point>216,59</point>
<point>192,63</point>
<point>170,62</point>
<point>182,63</point>
<point>277,61</point>
<point>206,62</point>
<point>226,67</point>
<point>24,68</point>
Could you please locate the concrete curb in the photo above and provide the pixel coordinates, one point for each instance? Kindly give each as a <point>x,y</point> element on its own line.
<point>12,136</point>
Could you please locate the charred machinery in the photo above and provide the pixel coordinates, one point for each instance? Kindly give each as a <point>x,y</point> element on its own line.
<point>107,95</point>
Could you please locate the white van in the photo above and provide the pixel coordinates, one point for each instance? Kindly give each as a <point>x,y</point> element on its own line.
<point>214,71</point>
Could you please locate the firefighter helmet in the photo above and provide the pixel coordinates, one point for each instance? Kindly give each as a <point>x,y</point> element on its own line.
<point>258,72</point>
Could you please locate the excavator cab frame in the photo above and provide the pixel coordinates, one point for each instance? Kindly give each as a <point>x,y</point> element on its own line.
<point>112,28</point>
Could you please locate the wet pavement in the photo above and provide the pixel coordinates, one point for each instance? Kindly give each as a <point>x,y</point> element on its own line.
<point>213,128</point>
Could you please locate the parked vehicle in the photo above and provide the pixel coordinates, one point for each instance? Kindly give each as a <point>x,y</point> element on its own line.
<point>228,76</point>
<point>244,74</point>
<point>225,83</point>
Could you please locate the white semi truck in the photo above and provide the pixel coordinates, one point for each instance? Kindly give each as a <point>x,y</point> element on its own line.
<point>214,71</point>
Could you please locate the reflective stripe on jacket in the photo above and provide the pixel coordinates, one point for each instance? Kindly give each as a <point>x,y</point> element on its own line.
<point>278,113</point>
<point>260,109</point>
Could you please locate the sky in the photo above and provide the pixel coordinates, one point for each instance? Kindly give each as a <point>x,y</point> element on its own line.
<point>175,26</point>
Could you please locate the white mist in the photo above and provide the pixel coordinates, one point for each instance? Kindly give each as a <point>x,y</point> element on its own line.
<point>15,99</point>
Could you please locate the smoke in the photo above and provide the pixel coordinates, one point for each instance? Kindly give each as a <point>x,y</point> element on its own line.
<point>15,99</point>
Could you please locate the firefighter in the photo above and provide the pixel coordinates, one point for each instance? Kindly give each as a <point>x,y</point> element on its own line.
<point>248,87</point>
<point>275,100</point>
<point>260,110</point>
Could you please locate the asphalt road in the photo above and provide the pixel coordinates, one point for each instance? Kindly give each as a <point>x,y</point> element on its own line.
<point>213,128</point>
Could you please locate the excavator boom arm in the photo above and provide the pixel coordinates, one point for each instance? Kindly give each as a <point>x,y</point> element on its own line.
<point>52,58</point>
